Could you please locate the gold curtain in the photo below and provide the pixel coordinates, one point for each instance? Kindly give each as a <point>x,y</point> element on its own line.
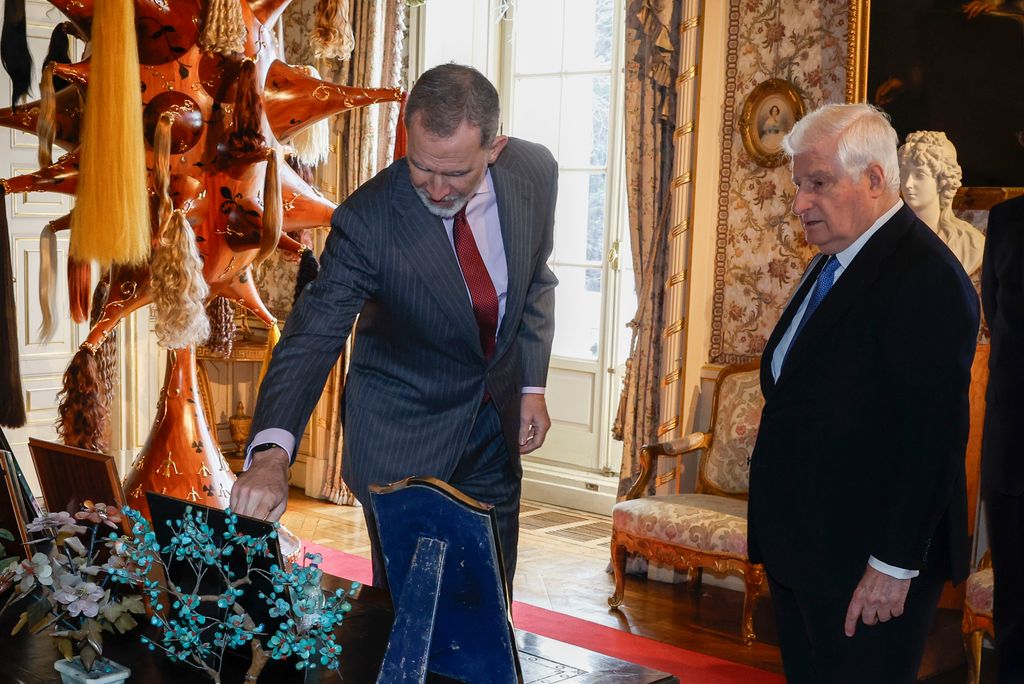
<point>652,45</point>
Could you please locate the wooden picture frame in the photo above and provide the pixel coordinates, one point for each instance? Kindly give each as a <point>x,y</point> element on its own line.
<point>936,65</point>
<point>768,114</point>
<point>69,476</point>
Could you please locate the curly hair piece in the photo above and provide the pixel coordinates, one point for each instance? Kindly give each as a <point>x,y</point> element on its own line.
<point>222,326</point>
<point>106,355</point>
<point>224,30</point>
<point>332,36</point>
<point>82,415</point>
<point>47,282</point>
<point>79,284</point>
<point>273,210</point>
<point>179,290</point>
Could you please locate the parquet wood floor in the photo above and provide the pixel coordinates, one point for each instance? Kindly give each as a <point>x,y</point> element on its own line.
<point>563,561</point>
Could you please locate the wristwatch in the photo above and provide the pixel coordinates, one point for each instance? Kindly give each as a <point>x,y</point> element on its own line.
<point>264,447</point>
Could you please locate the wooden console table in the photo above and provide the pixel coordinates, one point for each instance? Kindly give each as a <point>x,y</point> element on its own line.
<point>363,637</point>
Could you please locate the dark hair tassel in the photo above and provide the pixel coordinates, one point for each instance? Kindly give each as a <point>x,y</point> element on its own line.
<point>12,398</point>
<point>14,50</point>
<point>309,269</point>
<point>59,51</point>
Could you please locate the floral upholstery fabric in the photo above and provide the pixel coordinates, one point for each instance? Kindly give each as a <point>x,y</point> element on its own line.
<point>703,522</point>
<point>727,463</point>
<point>979,591</point>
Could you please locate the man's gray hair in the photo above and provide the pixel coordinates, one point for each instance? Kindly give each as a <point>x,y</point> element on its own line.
<point>862,135</point>
<point>449,94</point>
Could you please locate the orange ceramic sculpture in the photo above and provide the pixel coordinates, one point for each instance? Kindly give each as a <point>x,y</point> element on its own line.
<point>222,199</point>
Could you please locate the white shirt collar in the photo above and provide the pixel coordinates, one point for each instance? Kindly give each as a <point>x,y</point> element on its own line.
<point>846,256</point>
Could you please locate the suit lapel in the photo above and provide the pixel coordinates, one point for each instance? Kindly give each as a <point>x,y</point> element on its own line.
<point>425,242</point>
<point>802,288</point>
<point>848,290</point>
<point>515,212</point>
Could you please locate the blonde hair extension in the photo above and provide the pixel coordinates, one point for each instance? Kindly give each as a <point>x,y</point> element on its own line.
<point>48,282</point>
<point>111,222</point>
<point>224,29</point>
<point>273,211</point>
<point>313,143</point>
<point>333,36</point>
<point>273,337</point>
<point>46,126</point>
<point>179,289</point>
<point>162,167</point>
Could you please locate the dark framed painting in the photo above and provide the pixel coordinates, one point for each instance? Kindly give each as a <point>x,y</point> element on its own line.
<point>946,65</point>
<point>768,114</point>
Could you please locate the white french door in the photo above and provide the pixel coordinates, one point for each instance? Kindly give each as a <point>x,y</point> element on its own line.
<point>558,68</point>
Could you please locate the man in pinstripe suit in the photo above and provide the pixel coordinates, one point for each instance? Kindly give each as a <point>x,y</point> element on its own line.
<point>433,388</point>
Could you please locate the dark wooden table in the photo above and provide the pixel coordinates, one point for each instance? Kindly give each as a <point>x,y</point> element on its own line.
<point>363,636</point>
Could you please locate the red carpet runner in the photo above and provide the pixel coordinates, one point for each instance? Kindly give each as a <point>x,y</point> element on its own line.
<point>689,666</point>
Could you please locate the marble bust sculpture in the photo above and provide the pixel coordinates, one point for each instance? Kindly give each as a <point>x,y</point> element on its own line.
<point>929,178</point>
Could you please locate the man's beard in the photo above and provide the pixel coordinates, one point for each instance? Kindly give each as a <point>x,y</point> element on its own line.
<point>458,202</point>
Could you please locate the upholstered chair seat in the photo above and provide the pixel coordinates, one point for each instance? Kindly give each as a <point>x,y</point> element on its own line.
<point>706,529</point>
<point>977,620</point>
<point>700,521</point>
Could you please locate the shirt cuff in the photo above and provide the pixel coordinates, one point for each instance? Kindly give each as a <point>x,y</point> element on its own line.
<point>280,437</point>
<point>892,570</point>
<point>532,390</point>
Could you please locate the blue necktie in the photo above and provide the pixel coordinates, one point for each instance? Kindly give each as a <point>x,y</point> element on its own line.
<point>822,285</point>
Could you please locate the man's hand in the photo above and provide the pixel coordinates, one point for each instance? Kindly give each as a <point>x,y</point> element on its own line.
<point>262,490</point>
<point>533,422</point>
<point>877,598</point>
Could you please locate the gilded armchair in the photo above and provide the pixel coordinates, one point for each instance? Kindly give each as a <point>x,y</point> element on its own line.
<point>706,529</point>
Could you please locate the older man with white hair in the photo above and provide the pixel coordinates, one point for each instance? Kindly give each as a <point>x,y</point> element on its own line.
<point>857,485</point>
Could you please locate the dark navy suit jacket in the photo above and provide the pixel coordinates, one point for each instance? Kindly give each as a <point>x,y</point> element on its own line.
<point>860,451</point>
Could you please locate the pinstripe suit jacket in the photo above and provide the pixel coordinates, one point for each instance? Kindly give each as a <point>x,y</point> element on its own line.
<point>417,373</point>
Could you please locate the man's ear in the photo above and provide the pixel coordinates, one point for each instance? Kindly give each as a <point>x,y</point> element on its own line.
<point>876,179</point>
<point>496,147</point>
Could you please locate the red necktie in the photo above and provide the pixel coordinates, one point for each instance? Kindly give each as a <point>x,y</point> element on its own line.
<point>481,287</point>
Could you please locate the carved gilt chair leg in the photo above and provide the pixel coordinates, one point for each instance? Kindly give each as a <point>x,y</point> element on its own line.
<point>619,572</point>
<point>754,578</point>
<point>972,644</point>
<point>694,577</point>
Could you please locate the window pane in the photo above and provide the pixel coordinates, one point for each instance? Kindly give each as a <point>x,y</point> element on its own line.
<point>536,110</point>
<point>595,217</point>
<point>589,44</point>
<point>584,135</point>
<point>579,217</point>
<point>538,27</point>
<point>578,312</point>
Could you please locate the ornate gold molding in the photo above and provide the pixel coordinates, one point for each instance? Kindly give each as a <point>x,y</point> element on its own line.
<point>858,28</point>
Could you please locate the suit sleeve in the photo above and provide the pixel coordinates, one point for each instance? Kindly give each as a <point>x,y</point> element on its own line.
<point>989,280</point>
<point>537,327</point>
<point>318,327</point>
<point>928,345</point>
